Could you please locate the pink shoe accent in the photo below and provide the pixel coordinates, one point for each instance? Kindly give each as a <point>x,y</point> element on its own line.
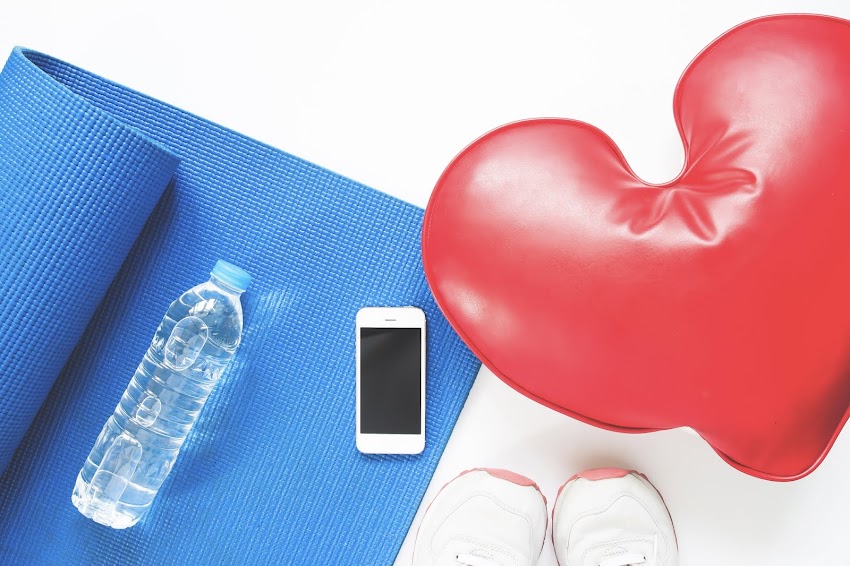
<point>603,474</point>
<point>596,475</point>
<point>508,475</point>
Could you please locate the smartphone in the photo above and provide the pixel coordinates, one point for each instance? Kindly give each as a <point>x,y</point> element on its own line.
<point>390,380</point>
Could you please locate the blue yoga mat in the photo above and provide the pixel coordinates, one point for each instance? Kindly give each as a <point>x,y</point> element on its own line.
<point>113,204</point>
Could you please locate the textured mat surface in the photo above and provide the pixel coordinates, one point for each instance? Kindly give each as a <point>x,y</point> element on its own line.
<point>114,204</point>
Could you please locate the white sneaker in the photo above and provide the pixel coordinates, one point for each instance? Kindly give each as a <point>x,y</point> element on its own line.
<point>612,517</point>
<point>484,517</point>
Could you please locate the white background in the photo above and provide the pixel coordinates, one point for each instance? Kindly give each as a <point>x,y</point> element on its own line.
<point>388,93</point>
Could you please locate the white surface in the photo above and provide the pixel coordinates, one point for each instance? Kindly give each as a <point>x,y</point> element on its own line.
<point>388,94</point>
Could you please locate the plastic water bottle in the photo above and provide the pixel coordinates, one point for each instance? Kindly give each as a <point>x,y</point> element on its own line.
<point>140,442</point>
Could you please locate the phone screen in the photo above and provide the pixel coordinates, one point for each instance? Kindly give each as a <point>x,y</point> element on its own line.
<point>390,380</point>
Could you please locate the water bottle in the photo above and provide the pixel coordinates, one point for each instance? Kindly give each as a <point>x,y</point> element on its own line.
<point>140,441</point>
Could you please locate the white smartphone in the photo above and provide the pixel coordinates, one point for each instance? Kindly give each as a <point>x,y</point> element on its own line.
<point>390,380</point>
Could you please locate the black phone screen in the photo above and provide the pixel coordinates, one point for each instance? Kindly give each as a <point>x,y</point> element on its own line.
<point>390,380</point>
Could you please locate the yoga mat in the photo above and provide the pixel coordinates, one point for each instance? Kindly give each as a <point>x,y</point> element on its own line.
<point>113,204</point>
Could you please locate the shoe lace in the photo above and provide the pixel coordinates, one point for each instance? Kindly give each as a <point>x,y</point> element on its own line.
<point>628,559</point>
<point>475,560</point>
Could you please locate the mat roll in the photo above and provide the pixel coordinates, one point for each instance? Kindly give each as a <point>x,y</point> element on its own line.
<point>113,204</point>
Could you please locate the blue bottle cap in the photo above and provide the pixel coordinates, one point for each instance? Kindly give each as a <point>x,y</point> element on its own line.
<point>231,275</point>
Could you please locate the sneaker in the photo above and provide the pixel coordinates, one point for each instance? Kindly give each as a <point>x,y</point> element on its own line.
<point>612,517</point>
<point>484,517</point>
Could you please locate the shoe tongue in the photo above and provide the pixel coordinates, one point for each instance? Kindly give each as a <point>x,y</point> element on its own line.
<point>480,553</point>
<point>477,557</point>
<point>622,557</point>
<point>619,553</point>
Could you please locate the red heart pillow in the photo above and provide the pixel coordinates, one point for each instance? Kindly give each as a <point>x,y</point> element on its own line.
<point>719,300</point>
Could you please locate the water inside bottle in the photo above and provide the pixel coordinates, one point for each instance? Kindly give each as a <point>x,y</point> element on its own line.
<point>140,442</point>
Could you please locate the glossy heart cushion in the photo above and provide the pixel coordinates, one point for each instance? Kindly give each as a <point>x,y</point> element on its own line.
<point>719,300</point>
